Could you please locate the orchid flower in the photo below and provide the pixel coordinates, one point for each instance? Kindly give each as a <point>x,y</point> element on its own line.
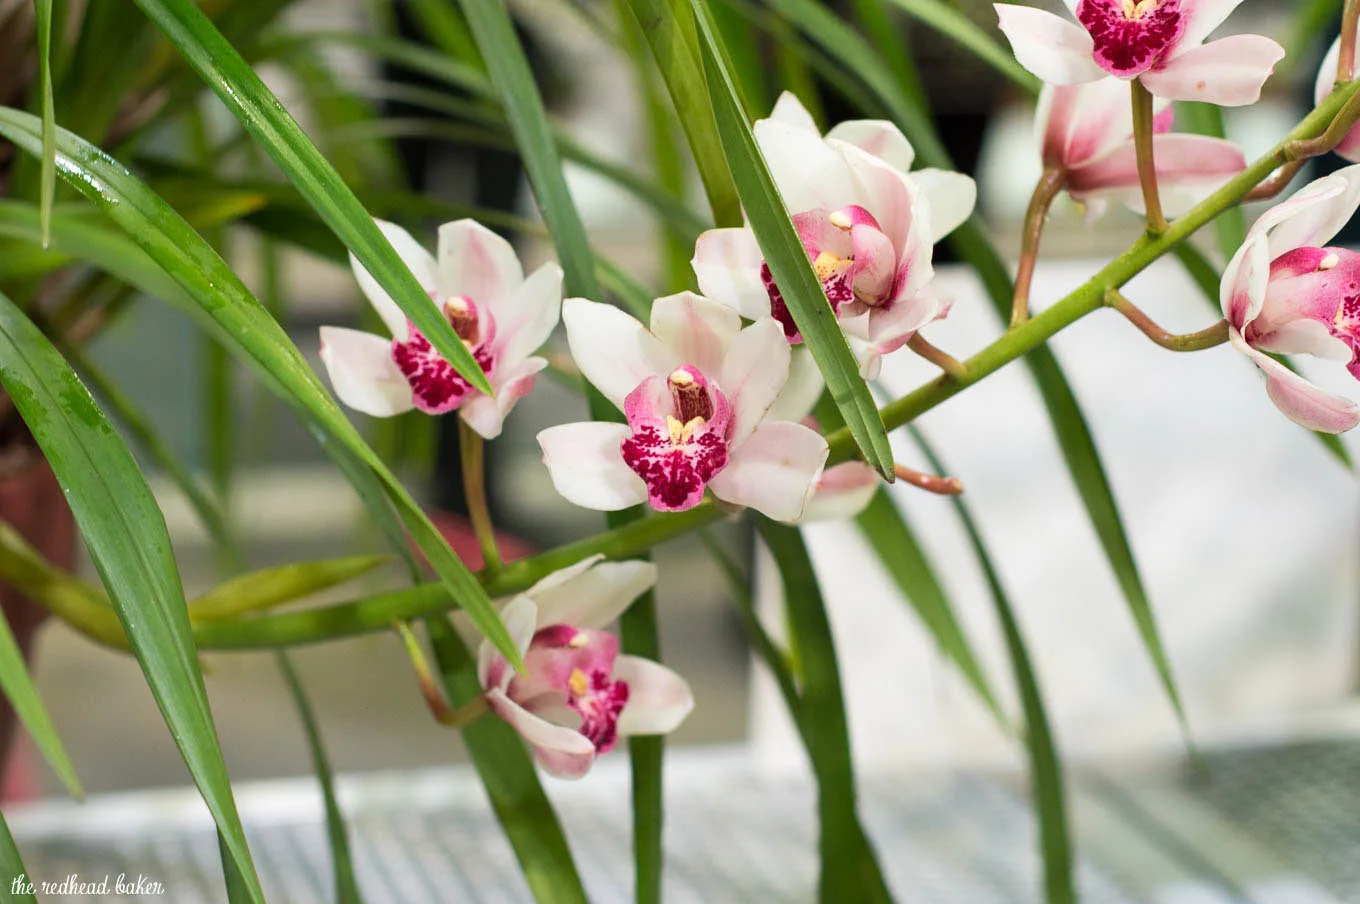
<point>1285,292</point>
<point>577,696</point>
<point>695,390</point>
<point>1158,42</point>
<point>478,284</point>
<point>1349,147</point>
<point>867,225</point>
<point>1086,133</point>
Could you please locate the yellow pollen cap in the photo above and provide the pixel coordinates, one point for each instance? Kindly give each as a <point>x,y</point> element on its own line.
<point>577,682</point>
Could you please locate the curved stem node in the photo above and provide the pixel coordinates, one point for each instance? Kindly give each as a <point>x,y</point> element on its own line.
<point>940,358</point>
<point>1050,184</point>
<point>1187,342</point>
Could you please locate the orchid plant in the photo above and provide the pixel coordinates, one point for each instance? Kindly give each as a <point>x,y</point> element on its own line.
<point>753,400</point>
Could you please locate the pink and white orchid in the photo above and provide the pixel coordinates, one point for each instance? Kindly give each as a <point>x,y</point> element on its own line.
<point>577,696</point>
<point>695,390</point>
<point>868,226</point>
<point>478,284</point>
<point>1159,42</point>
<point>1349,147</point>
<point>1086,133</point>
<point>1285,292</point>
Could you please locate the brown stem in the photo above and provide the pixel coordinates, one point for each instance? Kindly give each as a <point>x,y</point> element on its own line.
<point>931,483</point>
<point>1045,192</point>
<point>941,359</point>
<point>444,714</point>
<point>1350,24</point>
<point>1147,164</point>
<point>1276,183</point>
<point>471,444</point>
<point>1188,342</point>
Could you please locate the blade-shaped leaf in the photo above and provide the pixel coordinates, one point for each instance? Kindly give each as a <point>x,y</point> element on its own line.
<point>850,870</point>
<point>1045,767</point>
<point>217,297</point>
<point>787,259</point>
<point>639,636</point>
<point>281,584</point>
<point>508,775</point>
<point>342,863</point>
<point>83,606</point>
<point>127,540</point>
<point>15,890</point>
<point>887,530</point>
<point>230,77</point>
<point>48,191</point>
<point>951,22</point>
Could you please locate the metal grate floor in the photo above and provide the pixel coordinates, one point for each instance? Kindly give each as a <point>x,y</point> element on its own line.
<point>737,835</point>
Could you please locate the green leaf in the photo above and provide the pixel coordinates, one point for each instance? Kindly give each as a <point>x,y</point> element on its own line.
<point>22,694</point>
<point>230,77</point>
<point>788,260</point>
<point>1046,776</point>
<point>270,587</point>
<point>82,606</point>
<point>48,191</point>
<point>208,288</point>
<point>954,24</point>
<point>887,530</point>
<point>127,540</point>
<point>342,862</point>
<point>507,773</point>
<point>670,29</point>
<point>12,869</point>
<point>850,870</point>
<point>639,636</point>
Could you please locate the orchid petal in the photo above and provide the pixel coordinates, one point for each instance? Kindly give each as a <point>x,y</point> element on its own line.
<point>1189,168</point>
<point>520,617</point>
<point>754,372</point>
<point>1229,72</point>
<point>477,263</point>
<point>774,471</point>
<point>808,172</point>
<point>587,467</point>
<point>888,194</point>
<point>878,137</point>
<point>789,109</point>
<point>1299,399</point>
<point>415,257</point>
<point>1315,214</point>
<point>658,698</point>
<point>1058,51</point>
<point>1101,118</point>
<point>363,373</point>
<point>527,318</point>
<point>1349,147</point>
<point>1203,16</point>
<point>596,596</point>
<point>843,492</point>
<point>892,326</point>
<point>486,414</point>
<point>1245,281</point>
<point>613,350</point>
<point>951,196</point>
<point>727,266</point>
<point>696,330</point>
<point>802,390</point>
<point>562,752</point>
<point>563,575</point>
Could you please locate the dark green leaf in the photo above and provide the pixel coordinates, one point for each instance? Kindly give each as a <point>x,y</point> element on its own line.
<point>43,10</point>
<point>12,869</point>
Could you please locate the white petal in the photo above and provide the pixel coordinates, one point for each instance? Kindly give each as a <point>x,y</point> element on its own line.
<point>563,575</point>
<point>476,262</point>
<point>727,266</point>
<point>878,137</point>
<point>1298,398</point>
<point>658,698</point>
<point>800,394</point>
<point>525,319</point>
<point>614,351</point>
<point>422,266</point>
<point>843,492</point>
<point>485,414</point>
<point>808,173</point>
<point>698,331</point>
<point>1314,215</point>
<point>774,471</point>
<point>756,369</point>
<point>1242,292</point>
<point>1203,16</point>
<point>363,373</point>
<point>587,467</point>
<point>1056,50</point>
<point>951,196</point>
<point>520,617</point>
<point>562,752</point>
<point>789,109</point>
<point>596,596</point>
<point>1229,72</point>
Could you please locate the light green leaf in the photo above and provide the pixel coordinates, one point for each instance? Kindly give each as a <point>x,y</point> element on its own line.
<point>951,22</point>
<point>12,868</point>
<point>127,540</point>
<point>230,77</point>
<point>270,587</point>
<point>82,606</point>
<point>48,191</point>
<point>788,260</point>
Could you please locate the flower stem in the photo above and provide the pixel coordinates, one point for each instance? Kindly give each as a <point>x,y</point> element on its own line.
<point>1350,26</point>
<point>931,483</point>
<point>1147,166</point>
<point>444,714</point>
<point>472,447</point>
<point>1044,193</point>
<point>1188,342</point>
<point>940,358</point>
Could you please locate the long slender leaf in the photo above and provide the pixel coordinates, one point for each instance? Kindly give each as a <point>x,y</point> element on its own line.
<point>230,77</point>
<point>507,772</point>
<point>221,301</point>
<point>787,259</point>
<point>17,887</point>
<point>342,862</point>
<point>82,606</point>
<point>887,530</point>
<point>950,21</point>
<point>280,584</point>
<point>48,190</point>
<point>1046,776</point>
<point>850,870</point>
<point>126,537</point>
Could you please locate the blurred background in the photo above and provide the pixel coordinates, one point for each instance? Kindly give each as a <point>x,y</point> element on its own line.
<point>1247,533</point>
